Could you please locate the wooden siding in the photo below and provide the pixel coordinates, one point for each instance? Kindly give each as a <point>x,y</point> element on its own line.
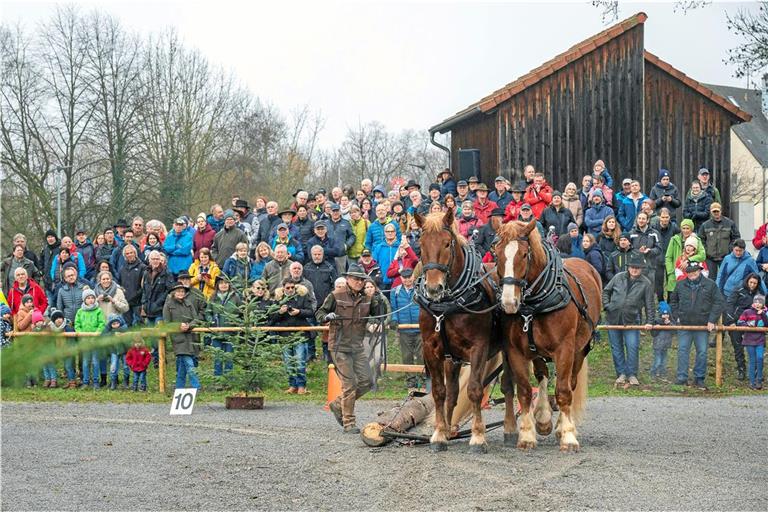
<point>684,131</point>
<point>477,133</point>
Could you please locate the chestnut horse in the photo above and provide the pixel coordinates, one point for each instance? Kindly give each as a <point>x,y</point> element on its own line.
<point>558,302</point>
<point>453,331</point>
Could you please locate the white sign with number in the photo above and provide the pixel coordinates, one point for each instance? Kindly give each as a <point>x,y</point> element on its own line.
<point>183,401</point>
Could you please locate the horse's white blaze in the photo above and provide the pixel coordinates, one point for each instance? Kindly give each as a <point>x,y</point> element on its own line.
<point>508,290</point>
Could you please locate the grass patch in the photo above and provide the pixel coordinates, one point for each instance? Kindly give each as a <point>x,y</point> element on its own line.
<point>392,385</point>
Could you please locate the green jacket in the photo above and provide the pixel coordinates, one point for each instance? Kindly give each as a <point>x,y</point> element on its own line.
<point>185,311</point>
<point>674,250</point>
<point>359,228</point>
<point>90,321</point>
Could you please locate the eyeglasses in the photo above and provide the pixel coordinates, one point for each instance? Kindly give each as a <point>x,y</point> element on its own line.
<point>259,288</point>
<point>389,230</point>
<point>289,287</point>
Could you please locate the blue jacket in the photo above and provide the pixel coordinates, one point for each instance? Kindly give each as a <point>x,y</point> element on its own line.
<point>448,187</point>
<point>236,268</point>
<point>179,250</point>
<point>216,225</point>
<point>628,209</point>
<point>594,217</point>
<point>733,271</point>
<point>295,250</point>
<point>258,267</point>
<point>384,254</point>
<point>576,249</point>
<point>501,201</point>
<point>404,310</point>
<point>80,266</point>
<point>375,233</point>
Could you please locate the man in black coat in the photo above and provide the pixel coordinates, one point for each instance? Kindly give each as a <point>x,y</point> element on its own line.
<point>487,233</point>
<point>695,301</point>
<point>129,277</point>
<point>320,273</point>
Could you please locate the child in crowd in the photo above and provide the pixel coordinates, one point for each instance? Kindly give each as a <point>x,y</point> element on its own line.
<point>59,323</point>
<point>662,341</point>
<point>5,326</point>
<point>754,342</point>
<point>22,322</point>
<point>115,324</point>
<point>90,318</point>
<point>138,358</point>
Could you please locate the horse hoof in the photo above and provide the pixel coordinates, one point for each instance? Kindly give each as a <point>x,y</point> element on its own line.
<point>510,440</point>
<point>544,429</point>
<point>478,449</point>
<point>438,447</point>
<point>569,448</point>
<point>526,445</point>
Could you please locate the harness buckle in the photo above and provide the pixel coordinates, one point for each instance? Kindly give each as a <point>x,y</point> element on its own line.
<point>527,322</point>
<point>438,322</point>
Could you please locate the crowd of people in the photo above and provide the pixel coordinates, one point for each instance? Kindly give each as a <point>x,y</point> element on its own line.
<point>675,258</point>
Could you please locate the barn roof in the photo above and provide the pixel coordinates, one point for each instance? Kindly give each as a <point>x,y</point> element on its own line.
<point>754,134</point>
<point>488,103</point>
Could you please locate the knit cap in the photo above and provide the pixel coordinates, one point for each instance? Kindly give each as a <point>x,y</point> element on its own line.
<point>572,225</point>
<point>686,223</point>
<point>37,317</point>
<point>692,241</point>
<point>597,193</point>
<point>625,234</point>
<point>229,214</point>
<point>88,293</point>
<point>664,308</point>
<point>663,173</point>
<point>27,298</point>
<point>56,314</point>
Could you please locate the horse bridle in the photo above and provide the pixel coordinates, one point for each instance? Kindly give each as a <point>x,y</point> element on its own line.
<point>445,269</point>
<point>514,281</point>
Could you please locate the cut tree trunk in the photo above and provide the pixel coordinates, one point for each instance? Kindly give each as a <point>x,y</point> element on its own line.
<point>398,419</point>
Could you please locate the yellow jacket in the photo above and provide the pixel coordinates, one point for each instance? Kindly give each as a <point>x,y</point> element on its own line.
<point>208,288</point>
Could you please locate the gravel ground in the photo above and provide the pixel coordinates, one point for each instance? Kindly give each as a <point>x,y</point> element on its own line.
<point>637,453</point>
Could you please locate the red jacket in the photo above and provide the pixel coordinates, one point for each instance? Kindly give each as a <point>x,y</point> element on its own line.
<point>409,261</point>
<point>513,210</point>
<point>483,212</point>
<point>39,297</point>
<point>138,358</point>
<point>202,239</point>
<point>759,235</point>
<point>466,226</point>
<point>538,200</point>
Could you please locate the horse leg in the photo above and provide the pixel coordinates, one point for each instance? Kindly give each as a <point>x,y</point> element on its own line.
<point>566,429</point>
<point>475,390</point>
<point>527,437</point>
<point>452,372</point>
<point>434,362</point>
<point>508,388</point>
<point>542,413</point>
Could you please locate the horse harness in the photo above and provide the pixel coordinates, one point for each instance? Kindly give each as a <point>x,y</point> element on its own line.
<point>467,293</point>
<point>549,292</point>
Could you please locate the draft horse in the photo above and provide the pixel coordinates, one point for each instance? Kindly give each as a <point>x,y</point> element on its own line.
<point>457,299</point>
<point>551,309</point>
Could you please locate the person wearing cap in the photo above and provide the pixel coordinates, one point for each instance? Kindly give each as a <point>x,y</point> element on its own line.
<point>330,249</point>
<point>630,206</point>
<point>286,217</point>
<point>447,183</point>
<point>406,311</point>
<point>433,194</point>
<point>226,240</point>
<point>370,266</point>
<point>695,301</point>
<point>665,194</point>
<point>348,310</point>
<point>500,195</point>
<point>284,236</point>
<point>690,246</point>
<point>320,273</point>
<point>675,249</point>
<point>617,261</point>
<point>662,341</point>
<point>482,205</point>
<point>59,324</point>
<point>754,342</point>
<point>512,210</point>
<point>707,186</point>
<point>626,189</point>
<point>538,194</point>
<point>473,182</point>
<point>462,192</point>
<point>577,241</point>
<point>178,247</point>
<point>697,205</point>
<point>600,169</point>
<point>595,215</point>
<point>718,234</point>
<point>625,296</point>
<point>186,345</point>
<point>249,218</point>
<point>86,249</point>
<point>340,230</point>
<point>556,215</point>
<point>90,318</point>
<point>735,268</point>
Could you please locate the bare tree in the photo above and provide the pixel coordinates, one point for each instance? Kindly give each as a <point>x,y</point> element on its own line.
<point>610,8</point>
<point>751,56</point>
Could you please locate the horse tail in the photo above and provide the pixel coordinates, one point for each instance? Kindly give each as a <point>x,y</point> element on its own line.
<point>579,400</point>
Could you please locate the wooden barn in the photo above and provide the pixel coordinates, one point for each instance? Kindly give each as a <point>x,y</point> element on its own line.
<point>605,98</point>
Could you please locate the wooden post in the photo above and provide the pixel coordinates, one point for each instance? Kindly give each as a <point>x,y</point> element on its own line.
<point>161,363</point>
<point>719,354</point>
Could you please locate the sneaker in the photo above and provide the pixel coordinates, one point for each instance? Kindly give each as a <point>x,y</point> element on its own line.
<point>622,379</point>
<point>741,374</point>
<point>290,391</point>
<point>681,382</point>
<point>699,384</point>
<point>302,391</point>
<point>53,384</point>
<point>633,381</point>
<point>352,429</point>
<point>336,410</point>
<point>84,385</point>
<point>46,383</point>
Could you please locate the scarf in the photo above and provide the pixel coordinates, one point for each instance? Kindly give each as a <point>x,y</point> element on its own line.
<point>86,307</point>
<point>109,291</point>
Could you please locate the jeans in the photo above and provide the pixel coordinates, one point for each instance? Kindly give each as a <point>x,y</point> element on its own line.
<point>659,366</point>
<point>69,368</point>
<point>133,315</point>
<point>738,349</point>
<point>218,362</point>
<point>699,339</point>
<point>185,366</point>
<point>140,379</point>
<point>756,354</point>
<point>91,364</point>
<point>115,361</point>
<point>49,372</point>
<point>295,360</point>
<point>625,349</point>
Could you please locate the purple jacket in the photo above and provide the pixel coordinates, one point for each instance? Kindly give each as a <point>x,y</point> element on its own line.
<point>750,318</point>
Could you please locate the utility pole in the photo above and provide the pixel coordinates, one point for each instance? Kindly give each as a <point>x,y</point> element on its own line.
<point>59,185</point>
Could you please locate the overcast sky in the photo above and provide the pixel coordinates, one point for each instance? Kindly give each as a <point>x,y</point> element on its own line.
<point>405,64</point>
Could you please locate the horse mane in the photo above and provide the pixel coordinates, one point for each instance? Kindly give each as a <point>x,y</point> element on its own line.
<point>513,229</point>
<point>433,223</point>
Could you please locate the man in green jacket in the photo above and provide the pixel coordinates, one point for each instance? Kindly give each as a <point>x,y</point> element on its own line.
<point>182,310</point>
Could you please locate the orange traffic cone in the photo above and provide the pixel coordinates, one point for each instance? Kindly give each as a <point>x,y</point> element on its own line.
<point>486,398</point>
<point>334,386</point>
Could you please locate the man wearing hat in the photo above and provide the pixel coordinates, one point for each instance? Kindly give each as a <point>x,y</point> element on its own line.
<point>664,193</point>
<point>195,295</point>
<point>500,196</point>
<point>340,230</point>
<point>347,311</point>
<point>462,192</point>
<point>707,186</point>
<point>178,246</point>
<point>120,226</point>
<point>526,215</point>
<point>473,183</point>
<point>624,298</point>
<point>717,234</point>
<point>447,182</point>
<point>695,301</point>
<point>488,231</point>
<point>247,217</point>
<point>181,309</point>
<point>482,205</point>
<point>406,311</point>
<point>226,239</point>
<point>412,186</point>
